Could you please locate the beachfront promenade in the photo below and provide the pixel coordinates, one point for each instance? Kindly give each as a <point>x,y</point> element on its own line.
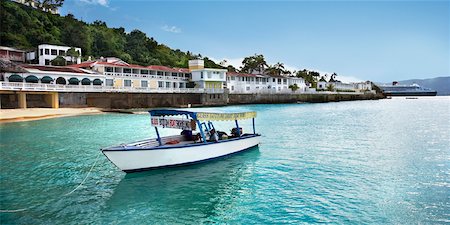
<point>12,86</point>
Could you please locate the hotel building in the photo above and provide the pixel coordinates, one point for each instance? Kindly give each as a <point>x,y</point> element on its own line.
<point>259,83</point>
<point>122,75</point>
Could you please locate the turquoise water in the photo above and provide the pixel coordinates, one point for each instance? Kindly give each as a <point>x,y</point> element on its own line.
<point>377,162</point>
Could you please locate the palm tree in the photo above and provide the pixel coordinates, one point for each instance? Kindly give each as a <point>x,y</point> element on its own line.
<point>74,54</point>
<point>255,63</point>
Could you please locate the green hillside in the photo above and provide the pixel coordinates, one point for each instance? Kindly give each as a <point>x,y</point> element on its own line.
<point>23,27</point>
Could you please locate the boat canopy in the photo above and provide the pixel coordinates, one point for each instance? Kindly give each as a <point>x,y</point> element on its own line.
<point>204,116</point>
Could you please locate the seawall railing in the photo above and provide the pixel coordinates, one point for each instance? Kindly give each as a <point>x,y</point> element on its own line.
<point>17,86</point>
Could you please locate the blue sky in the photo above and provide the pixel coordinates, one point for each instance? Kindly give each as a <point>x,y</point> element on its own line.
<point>366,40</point>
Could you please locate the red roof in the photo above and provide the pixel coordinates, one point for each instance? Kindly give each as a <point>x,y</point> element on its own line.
<point>92,63</point>
<point>152,67</point>
<point>53,68</point>
<point>162,68</point>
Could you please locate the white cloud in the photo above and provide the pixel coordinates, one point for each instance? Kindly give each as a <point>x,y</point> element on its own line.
<point>97,2</point>
<point>171,29</point>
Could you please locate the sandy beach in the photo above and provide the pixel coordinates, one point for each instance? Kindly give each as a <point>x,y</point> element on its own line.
<point>18,115</point>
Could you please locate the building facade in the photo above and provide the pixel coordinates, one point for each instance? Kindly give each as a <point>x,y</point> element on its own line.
<point>339,86</point>
<point>208,78</point>
<point>12,54</point>
<point>46,53</point>
<point>54,75</point>
<point>120,74</point>
<point>259,83</point>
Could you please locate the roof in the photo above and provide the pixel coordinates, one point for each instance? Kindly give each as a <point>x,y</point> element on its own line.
<point>132,66</point>
<point>65,69</point>
<point>204,116</point>
<point>10,49</point>
<point>93,63</point>
<point>234,74</point>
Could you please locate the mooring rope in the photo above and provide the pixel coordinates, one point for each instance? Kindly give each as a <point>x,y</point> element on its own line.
<point>82,182</point>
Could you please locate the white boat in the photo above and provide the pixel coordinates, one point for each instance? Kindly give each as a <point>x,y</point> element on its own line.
<point>185,149</point>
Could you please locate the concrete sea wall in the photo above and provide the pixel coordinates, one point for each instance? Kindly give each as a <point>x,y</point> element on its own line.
<point>293,98</point>
<point>153,100</point>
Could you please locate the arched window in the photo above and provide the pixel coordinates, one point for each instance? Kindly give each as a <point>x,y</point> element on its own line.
<point>15,78</point>
<point>61,80</point>
<point>85,81</point>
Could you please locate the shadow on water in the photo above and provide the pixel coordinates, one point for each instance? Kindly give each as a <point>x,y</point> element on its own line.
<point>194,190</point>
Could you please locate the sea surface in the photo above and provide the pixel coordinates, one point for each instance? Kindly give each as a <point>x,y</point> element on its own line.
<point>360,162</point>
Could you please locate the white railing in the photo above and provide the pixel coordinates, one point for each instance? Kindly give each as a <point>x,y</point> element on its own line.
<point>289,91</point>
<point>16,86</point>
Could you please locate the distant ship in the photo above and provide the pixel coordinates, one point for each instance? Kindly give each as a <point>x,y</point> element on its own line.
<point>406,90</point>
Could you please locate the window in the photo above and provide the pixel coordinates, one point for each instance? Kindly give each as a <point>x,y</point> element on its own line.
<point>160,73</point>
<point>174,84</point>
<point>174,74</point>
<point>273,80</point>
<point>247,88</point>
<point>144,71</point>
<point>232,88</point>
<point>284,81</point>
<point>209,74</point>
<point>109,82</point>
<point>167,84</point>
<point>182,85</point>
<point>117,69</point>
<point>221,75</point>
<point>127,83</point>
<point>201,75</point>
<point>62,53</point>
<point>126,70</point>
<point>47,51</point>
<point>54,52</point>
<point>232,78</point>
<point>109,69</point>
<point>152,72</point>
<point>47,62</point>
<point>279,81</point>
<point>160,84</point>
<point>41,51</point>
<point>136,71</point>
<point>144,83</point>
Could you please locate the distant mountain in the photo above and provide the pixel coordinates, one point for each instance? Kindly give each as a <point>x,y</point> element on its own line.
<point>439,84</point>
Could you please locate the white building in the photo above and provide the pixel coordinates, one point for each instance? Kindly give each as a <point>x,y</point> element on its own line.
<point>207,77</point>
<point>120,74</point>
<point>259,83</point>
<point>300,82</point>
<point>339,86</point>
<point>54,75</point>
<point>46,53</point>
<point>36,5</point>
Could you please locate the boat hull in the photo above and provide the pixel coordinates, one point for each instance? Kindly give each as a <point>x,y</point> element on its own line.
<point>411,93</point>
<point>144,159</point>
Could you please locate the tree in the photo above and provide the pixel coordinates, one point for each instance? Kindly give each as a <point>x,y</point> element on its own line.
<point>333,77</point>
<point>74,54</point>
<point>330,87</point>
<point>277,69</point>
<point>58,61</point>
<point>231,68</point>
<point>309,76</point>
<point>293,87</point>
<point>48,5</point>
<point>255,63</point>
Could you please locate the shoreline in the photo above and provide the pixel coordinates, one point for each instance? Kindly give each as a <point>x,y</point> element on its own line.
<point>31,114</point>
